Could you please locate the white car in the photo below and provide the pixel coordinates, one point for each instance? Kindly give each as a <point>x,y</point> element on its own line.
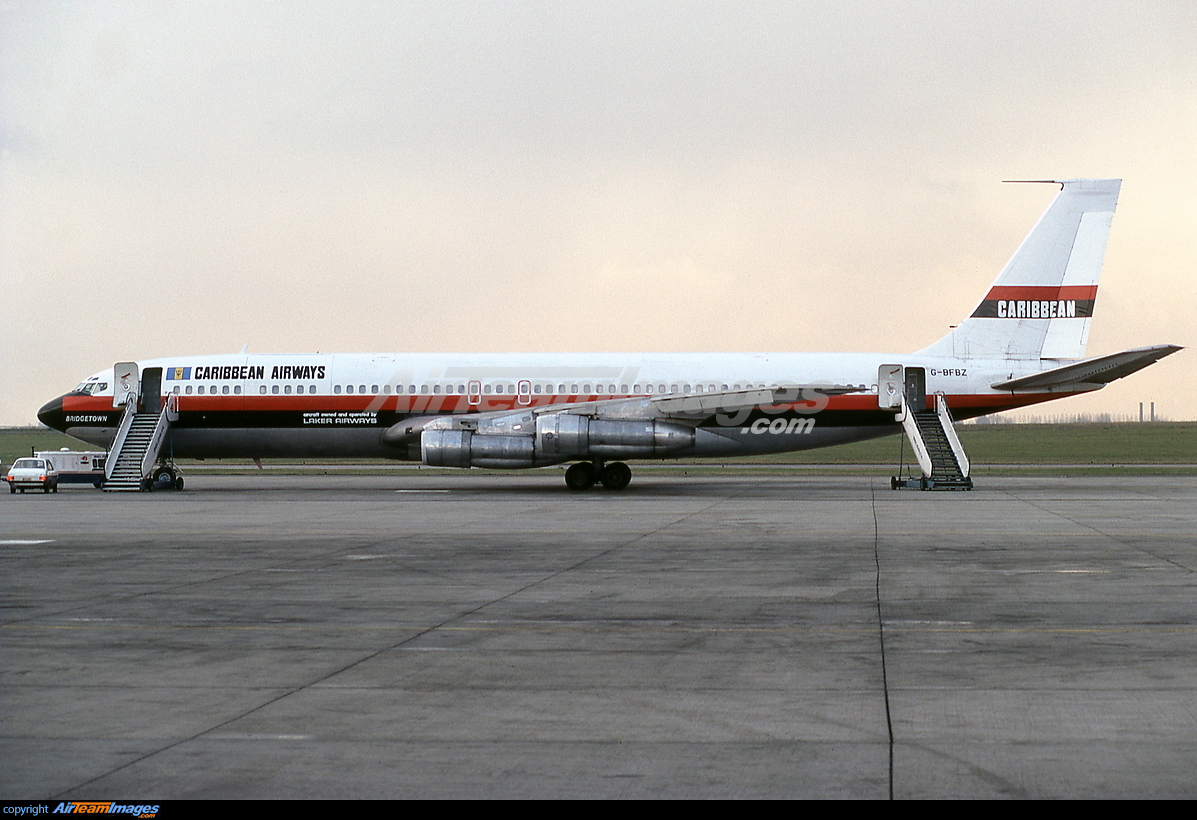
<point>31,473</point>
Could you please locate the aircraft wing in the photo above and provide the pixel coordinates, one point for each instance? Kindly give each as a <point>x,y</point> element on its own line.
<point>1097,372</point>
<point>698,406</point>
<point>690,407</point>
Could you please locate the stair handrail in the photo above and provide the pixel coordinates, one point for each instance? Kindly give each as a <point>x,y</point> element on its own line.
<point>118,441</point>
<point>949,431</point>
<point>161,425</point>
<point>911,426</point>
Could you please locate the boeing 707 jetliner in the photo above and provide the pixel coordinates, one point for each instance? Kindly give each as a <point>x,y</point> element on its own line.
<point>1024,343</point>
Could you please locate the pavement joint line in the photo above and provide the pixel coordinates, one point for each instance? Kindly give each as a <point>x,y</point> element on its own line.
<point>889,722</point>
<point>1162,629</point>
<point>1114,538</point>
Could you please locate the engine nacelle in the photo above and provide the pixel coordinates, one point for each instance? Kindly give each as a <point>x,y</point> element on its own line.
<point>565,435</point>
<point>558,437</point>
<point>462,448</point>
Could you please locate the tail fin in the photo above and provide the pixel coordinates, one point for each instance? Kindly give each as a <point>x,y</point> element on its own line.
<point>1040,305</point>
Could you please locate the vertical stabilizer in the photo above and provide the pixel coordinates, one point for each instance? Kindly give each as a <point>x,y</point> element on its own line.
<point>1041,304</point>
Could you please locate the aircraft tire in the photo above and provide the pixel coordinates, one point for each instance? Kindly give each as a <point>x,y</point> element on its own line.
<point>164,477</point>
<point>616,475</point>
<point>178,482</point>
<point>580,476</point>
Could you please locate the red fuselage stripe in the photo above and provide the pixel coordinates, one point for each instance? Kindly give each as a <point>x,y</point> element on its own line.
<point>1042,292</point>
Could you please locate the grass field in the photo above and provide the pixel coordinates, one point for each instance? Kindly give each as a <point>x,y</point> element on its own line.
<point>1082,445</point>
<point>1147,443</point>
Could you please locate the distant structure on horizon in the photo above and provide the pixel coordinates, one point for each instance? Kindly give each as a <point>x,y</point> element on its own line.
<point>1072,418</point>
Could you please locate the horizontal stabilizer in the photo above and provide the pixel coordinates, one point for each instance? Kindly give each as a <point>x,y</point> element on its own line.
<point>1099,371</point>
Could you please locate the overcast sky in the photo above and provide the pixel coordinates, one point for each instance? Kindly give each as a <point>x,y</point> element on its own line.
<point>188,177</point>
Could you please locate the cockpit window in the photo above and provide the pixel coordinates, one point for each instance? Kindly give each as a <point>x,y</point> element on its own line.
<point>91,387</point>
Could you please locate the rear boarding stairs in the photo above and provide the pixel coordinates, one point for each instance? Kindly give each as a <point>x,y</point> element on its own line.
<point>937,449</point>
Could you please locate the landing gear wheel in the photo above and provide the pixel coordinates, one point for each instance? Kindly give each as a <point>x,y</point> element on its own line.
<point>178,482</point>
<point>165,477</point>
<point>616,475</point>
<point>580,476</point>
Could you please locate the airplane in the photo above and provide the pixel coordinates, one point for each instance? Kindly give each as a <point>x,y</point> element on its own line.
<point>1023,344</point>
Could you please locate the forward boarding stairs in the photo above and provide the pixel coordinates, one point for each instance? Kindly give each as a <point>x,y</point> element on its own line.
<point>937,448</point>
<point>136,447</point>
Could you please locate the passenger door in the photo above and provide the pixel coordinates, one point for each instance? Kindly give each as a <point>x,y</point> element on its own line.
<point>889,386</point>
<point>126,383</point>
<point>151,390</point>
<point>916,388</point>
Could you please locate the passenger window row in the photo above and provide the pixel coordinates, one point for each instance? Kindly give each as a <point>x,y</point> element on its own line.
<point>501,389</point>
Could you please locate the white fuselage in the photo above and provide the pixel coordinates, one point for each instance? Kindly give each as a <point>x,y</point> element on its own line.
<point>283,405</point>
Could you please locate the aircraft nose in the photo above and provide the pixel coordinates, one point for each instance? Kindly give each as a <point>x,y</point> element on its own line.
<point>51,414</point>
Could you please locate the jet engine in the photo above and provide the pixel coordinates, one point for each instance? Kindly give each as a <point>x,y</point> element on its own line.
<point>571,436</point>
<point>464,448</point>
<point>556,437</point>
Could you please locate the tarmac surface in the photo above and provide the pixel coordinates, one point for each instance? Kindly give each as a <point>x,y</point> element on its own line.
<point>498,636</point>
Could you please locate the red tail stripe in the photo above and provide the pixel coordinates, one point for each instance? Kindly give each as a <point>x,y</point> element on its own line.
<point>1028,292</point>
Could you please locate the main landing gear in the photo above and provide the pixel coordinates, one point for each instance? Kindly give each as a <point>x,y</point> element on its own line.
<point>584,474</point>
